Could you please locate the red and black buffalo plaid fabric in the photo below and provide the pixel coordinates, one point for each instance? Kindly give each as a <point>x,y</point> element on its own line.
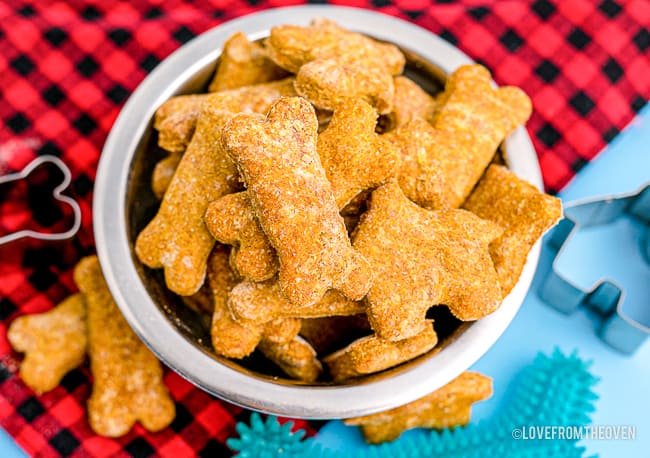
<point>66,68</point>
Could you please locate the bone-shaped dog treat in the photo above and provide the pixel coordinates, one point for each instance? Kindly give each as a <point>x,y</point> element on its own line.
<point>423,258</point>
<point>292,46</point>
<point>327,334</point>
<point>243,63</point>
<point>177,239</point>
<point>296,358</point>
<point>293,200</point>
<point>163,173</point>
<point>127,377</point>
<point>54,343</point>
<point>410,102</point>
<point>238,338</point>
<point>447,407</point>
<point>328,82</point>
<point>371,354</point>
<point>523,211</point>
<point>354,157</point>
<point>262,302</point>
<point>231,220</point>
<point>442,164</point>
<point>176,119</point>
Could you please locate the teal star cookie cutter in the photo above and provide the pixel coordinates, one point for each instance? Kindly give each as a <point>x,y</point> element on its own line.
<point>621,330</point>
<point>553,390</point>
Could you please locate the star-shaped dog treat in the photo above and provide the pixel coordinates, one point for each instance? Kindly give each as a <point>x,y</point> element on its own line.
<point>423,258</point>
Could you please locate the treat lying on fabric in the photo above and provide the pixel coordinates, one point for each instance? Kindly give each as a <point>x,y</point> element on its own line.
<point>264,301</point>
<point>522,210</point>
<point>54,343</point>
<point>442,163</point>
<point>292,46</point>
<point>410,102</point>
<point>231,220</point>
<point>328,82</point>
<point>176,119</point>
<point>127,377</point>
<point>436,257</point>
<point>448,407</point>
<point>163,173</point>
<point>176,239</point>
<point>371,354</point>
<point>293,201</point>
<point>243,63</point>
<point>296,358</point>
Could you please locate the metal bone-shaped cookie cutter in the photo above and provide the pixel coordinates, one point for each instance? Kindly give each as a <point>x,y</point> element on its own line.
<point>56,193</point>
<point>618,330</point>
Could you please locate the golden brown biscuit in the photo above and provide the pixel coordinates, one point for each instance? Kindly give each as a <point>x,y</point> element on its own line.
<point>176,119</point>
<point>442,164</point>
<point>296,358</point>
<point>243,63</point>
<point>410,102</point>
<point>163,173</point>
<point>371,354</point>
<point>231,220</point>
<point>262,302</point>
<point>448,407</point>
<point>127,378</point>
<point>354,157</point>
<point>329,333</point>
<point>54,343</point>
<point>293,200</point>
<point>292,46</point>
<point>423,258</point>
<point>522,210</point>
<point>329,82</point>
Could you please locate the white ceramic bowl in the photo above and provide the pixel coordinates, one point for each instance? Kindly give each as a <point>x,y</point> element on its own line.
<point>123,202</point>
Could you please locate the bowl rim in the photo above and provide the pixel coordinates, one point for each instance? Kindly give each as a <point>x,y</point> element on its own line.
<point>174,349</point>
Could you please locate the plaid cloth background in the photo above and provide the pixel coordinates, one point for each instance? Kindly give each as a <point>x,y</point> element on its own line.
<point>67,67</point>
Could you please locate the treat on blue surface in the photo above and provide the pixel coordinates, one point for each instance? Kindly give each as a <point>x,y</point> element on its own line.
<point>54,343</point>
<point>447,407</point>
<point>522,210</point>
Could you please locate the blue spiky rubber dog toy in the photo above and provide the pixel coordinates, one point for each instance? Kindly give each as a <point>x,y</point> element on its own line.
<point>553,390</point>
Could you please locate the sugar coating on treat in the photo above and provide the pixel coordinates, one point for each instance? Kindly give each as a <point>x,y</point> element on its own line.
<point>292,46</point>
<point>410,102</point>
<point>176,119</point>
<point>243,63</point>
<point>230,219</point>
<point>522,210</point>
<point>354,157</point>
<point>260,302</point>
<point>127,378</point>
<point>294,203</point>
<point>371,354</point>
<point>296,358</point>
<point>448,407</point>
<point>423,258</point>
<point>163,173</point>
<point>442,165</point>
<point>328,82</point>
<point>54,343</point>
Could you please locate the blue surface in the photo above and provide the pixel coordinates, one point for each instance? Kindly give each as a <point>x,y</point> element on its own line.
<point>624,388</point>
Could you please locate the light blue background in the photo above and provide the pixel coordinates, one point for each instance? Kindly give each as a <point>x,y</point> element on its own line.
<point>624,388</point>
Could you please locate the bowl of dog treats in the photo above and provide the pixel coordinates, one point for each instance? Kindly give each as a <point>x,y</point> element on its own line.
<point>320,212</point>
